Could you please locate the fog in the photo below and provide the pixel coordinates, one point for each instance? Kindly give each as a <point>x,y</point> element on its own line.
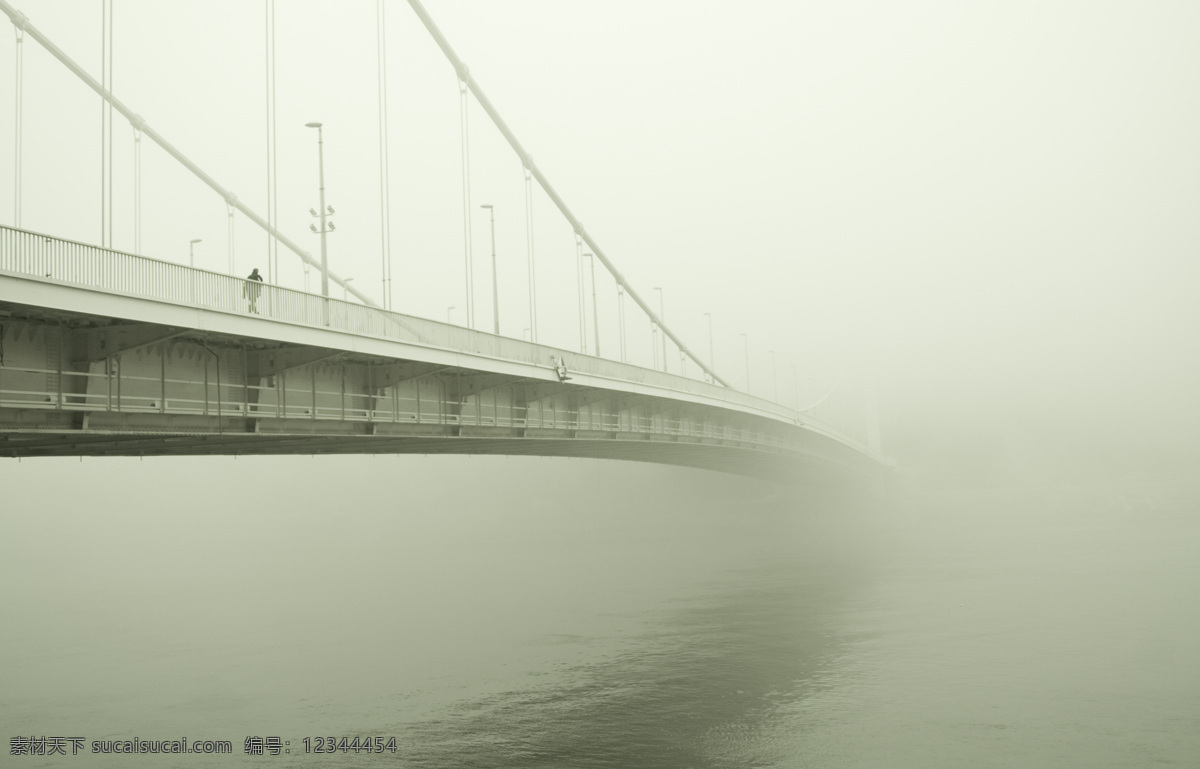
<point>982,213</point>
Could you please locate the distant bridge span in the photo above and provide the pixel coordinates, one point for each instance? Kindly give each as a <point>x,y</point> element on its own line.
<point>104,353</point>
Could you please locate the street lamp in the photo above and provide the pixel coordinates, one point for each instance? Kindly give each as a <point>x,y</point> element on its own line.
<point>654,343</point>
<point>346,289</point>
<point>192,252</point>
<point>662,317</point>
<point>324,229</point>
<point>712,363</point>
<point>746,339</point>
<point>774,379</point>
<point>595,308</point>
<point>449,310</point>
<point>796,385</point>
<point>621,317</point>
<point>495,290</point>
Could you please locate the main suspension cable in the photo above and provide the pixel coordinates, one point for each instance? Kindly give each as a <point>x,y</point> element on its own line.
<point>466,82</point>
<point>170,149</point>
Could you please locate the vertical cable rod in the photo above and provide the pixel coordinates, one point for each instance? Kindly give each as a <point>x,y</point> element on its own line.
<point>579,295</point>
<point>654,342</point>
<point>463,96</point>
<point>529,251</point>
<point>272,173</point>
<point>19,27</point>
<point>137,190</point>
<point>7,9</point>
<point>621,317</point>
<point>229,212</point>
<point>275,159</point>
<point>385,225</point>
<point>103,106</point>
<point>595,306</point>
<point>108,123</point>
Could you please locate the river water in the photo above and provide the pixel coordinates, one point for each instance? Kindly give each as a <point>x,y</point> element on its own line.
<point>491,612</point>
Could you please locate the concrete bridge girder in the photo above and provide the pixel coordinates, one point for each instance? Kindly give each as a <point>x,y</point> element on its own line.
<point>742,460</point>
<point>470,384</point>
<point>262,364</point>
<point>90,345</point>
<point>309,381</point>
<point>388,374</point>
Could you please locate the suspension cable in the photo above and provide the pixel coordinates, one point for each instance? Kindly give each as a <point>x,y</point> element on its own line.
<point>466,177</point>
<point>823,398</point>
<point>137,190</point>
<point>170,149</point>
<point>108,122</point>
<point>579,294</point>
<point>529,250</point>
<point>654,343</point>
<point>385,225</point>
<point>103,104</point>
<point>229,212</point>
<point>275,160</point>
<point>486,104</point>
<point>19,26</point>
<point>272,188</point>
<point>621,317</point>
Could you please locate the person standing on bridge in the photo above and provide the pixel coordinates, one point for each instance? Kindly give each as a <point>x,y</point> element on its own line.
<point>252,289</point>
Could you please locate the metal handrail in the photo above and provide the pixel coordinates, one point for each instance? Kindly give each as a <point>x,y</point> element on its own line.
<point>211,404</point>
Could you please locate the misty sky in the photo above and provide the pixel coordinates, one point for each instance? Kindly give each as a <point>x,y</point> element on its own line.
<point>991,205</point>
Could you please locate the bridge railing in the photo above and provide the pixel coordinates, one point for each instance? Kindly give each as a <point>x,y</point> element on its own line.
<point>60,260</point>
<point>112,391</point>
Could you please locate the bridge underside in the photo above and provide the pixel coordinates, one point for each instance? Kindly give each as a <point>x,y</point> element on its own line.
<point>740,461</point>
<point>84,384</point>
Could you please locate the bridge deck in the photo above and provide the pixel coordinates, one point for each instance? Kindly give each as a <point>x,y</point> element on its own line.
<point>110,353</point>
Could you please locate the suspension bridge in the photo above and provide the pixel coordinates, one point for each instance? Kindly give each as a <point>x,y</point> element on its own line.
<point>111,351</point>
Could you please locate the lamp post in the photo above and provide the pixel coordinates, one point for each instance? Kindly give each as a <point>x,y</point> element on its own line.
<point>449,310</point>
<point>346,289</point>
<point>579,293</point>
<point>796,385</point>
<point>192,252</point>
<point>595,308</point>
<point>712,363</point>
<point>746,339</point>
<point>774,379</point>
<point>621,317</point>
<point>495,290</point>
<point>321,168</point>
<point>662,317</point>
<point>654,343</point>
